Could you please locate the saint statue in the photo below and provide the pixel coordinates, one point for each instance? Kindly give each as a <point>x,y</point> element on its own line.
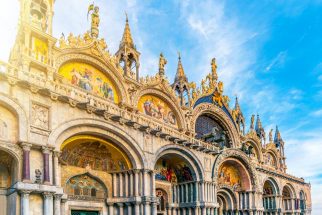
<point>95,19</point>
<point>271,136</point>
<point>252,122</point>
<point>214,69</point>
<point>162,63</point>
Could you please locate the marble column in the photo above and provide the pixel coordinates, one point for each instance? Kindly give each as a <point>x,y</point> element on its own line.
<point>62,207</point>
<point>57,204</point>
<point>24,198</point>
<point>121,209</point>
<point>114,184</point>
<point>48,203</point>
<point>46,152</point>
<point>197,199</point>
<point>110,208</point>
<point>147,208</point>
<point>121,184</point>
<point>26,162</point>
<point>154,208</point>
<point>136,182</point>
<point>137,208</point>
<point>129,208</point>
<point>126,184</point>
<point>56,169</point>
<point>131,184</point>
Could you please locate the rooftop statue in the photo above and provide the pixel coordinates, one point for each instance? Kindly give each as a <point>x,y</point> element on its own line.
<point>95,19</point>
<point>162,63</point>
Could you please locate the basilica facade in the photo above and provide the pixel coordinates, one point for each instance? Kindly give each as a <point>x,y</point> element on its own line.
<point>82,133</point>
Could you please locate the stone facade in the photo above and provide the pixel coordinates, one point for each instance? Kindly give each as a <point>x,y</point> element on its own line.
<point>82,133</point>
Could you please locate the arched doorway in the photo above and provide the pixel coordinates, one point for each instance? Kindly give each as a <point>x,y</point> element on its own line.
<point>175,174</point>
<point>302,202</point>
<point>227,202</point>
<point>8,176</point>
<point>270,193</point>
<point>234,187</point>
<point>287,200</point>
<point>162,201</point>
<point>94,169</point>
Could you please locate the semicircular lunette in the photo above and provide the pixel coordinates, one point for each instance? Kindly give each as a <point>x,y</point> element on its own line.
<point>90,79</point>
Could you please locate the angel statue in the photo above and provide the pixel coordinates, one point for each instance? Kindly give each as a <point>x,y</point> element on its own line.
<point>270,136</point>
<point>252,122</point>
<point>94,10</point>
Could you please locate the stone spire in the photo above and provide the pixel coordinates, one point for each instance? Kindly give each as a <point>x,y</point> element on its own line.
<point>258,125</point>
<point>127,36</point>
<point>237,107</point>
<point>180,75</point>
<point>277,138</point>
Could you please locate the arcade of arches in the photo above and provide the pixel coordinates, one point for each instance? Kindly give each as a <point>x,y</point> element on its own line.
<point>81,132</point>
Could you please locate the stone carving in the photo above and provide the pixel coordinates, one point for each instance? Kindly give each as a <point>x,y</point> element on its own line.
<point>3,129</point>
<point>38,176</point>
<point>40,116</point>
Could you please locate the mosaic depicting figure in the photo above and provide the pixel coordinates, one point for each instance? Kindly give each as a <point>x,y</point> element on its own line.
<point>154,107</point>
<point>173,173</point>
<point>269,160</point>
<point>92,154</point>
<point>229,175</point>
<point>89,79</point>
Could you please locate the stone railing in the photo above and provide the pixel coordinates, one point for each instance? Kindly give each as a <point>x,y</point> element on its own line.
<point>93,103</point>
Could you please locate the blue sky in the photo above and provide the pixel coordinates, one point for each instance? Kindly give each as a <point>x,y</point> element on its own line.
<point>268,53</point>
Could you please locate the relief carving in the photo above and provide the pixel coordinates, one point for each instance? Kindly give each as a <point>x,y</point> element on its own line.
<point>40,116</point>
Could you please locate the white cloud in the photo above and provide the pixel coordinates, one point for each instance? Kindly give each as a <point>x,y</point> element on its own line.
<point>277,62</point>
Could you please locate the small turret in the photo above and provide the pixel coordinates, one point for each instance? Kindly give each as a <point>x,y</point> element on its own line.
<point>127,55</point>
<point>260,130</point>
<point>239,117</point>
<point>181,84</point>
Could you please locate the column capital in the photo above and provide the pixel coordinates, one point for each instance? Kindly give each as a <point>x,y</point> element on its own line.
<point>46,149</point>
<point>58,196</point>
<point>25,146</point>
<point>120,204</point>
<point>57,153</point>
<point>25,192</point>
<point>47,195</point>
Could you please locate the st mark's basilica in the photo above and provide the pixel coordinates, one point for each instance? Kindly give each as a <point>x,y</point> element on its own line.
<point>82,133</point>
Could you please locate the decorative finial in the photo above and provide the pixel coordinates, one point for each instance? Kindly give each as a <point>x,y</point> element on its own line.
<point>214,69</point>
<point>126,17</point>
<point>179,56</point>
<point>252,120</point>
<point>270,135</point>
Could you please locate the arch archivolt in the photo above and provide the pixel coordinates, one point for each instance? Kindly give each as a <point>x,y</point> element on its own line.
<point>211,109</point>
<point>229,197</point>
<point>243,159</point>
<point>289,186</point>
<point>100,129</point>
<point>274,183</point>
<point>257,147</point>
<point>20,113</point>
<point>274,153</point>
<point>172,102</point>
<point>185,154</point>
<point>105,67</point>
<point>16,152</point>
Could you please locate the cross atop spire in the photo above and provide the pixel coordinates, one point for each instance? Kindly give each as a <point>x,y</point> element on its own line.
<point>180,75</point>
<point>127,36</point>
<point>237,107</point>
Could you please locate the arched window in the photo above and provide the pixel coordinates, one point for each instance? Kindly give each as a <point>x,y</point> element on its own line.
<point>210,130</point>
<point>302,202</point>
<point>84,187</point>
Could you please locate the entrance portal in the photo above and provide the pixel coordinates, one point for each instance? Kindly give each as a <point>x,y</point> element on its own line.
<point>77,212</point>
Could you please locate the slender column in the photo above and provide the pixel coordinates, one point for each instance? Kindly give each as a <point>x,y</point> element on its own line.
<point>131,184</point>
<point>114,184</point>
<point>182,192</point>
<point>154,208</point>
<point>46,153</point>
<point>129,208</point>
<point>121,184</point>
<point>110,208</point>
<point>146,182</point>
<point>174,195</point>
<point>62,207</point>
<point>56,169</point>
<point>26,162</point>
<point>187,192</point>
<point>121,208</point>
<point>137,208</point>
<point>147,208</point>
<point>57,202</point>
<point>126,184</point>
<point>48,203</point>
<point>196,192</point>
<point>136,182</point>
<point>153,183</point>
<point>24,198</point>
<point>202,191</point>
